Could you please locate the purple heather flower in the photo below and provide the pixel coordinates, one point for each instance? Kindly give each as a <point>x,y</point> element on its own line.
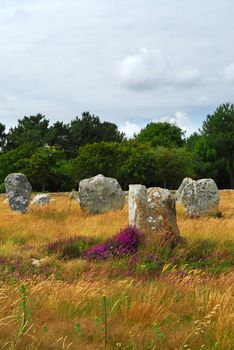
<point>124,243</point>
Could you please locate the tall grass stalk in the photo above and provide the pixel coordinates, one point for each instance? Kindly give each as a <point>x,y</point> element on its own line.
<point>24,308</point>
<point>104,317</point>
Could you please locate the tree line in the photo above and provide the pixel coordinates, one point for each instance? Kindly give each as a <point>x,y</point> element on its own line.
<point>56,157</point>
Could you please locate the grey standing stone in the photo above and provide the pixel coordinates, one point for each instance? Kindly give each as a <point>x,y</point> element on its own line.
<point>198,197</point>
<point>152,210</point>
<point>41,199</point>
<point>185,182</point>
<point>18,191</point>
<point>100,194</point>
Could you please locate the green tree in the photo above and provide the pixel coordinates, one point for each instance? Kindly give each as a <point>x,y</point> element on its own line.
<point>11,161</point>
<point>2,135</point>
<point>41,166</point>
<point>89,129</point>
<point>59,134</point>
<point>29,129</point>
<point>172,165</point>
<point>103,158</point>
<point>161,134</point>
<point>205,159</point>
<point>66,175</point>
<point>218,128</point>
<point>140,164</point>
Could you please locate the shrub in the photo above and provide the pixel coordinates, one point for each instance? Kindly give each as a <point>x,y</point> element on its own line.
<point>126,242</point>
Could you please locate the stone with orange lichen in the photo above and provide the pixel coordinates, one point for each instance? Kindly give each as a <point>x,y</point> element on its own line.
<point>152,210</point>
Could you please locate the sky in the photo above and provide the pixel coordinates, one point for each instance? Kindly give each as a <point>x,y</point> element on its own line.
<point>130,62</point>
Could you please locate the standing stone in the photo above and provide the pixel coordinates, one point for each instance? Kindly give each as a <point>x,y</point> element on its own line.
<point>18,191</point>
<point>138,207</point>
<point>100,194</point>
<point>152,210</point>
<point>41,199</point>
<point>198,197</point>
<point>185,182</point>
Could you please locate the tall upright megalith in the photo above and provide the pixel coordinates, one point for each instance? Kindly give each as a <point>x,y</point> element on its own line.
<point>152,210</point>
<point>18,190</point>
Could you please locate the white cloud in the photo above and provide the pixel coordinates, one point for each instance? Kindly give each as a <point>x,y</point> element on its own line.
<point>229,73</point>
<point>130,128</point>
<point>182,120</point>
<point>149,69</point>
<point>53,63</point>
<point>143,70</point>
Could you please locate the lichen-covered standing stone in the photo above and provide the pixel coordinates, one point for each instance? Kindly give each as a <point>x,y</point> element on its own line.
<point>198,197</point>
<point>152,210</point>
<point>100,194</point>
<point>18,191</point>
<point>184,183</point>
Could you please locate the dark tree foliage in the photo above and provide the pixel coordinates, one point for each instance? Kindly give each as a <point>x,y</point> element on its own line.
<point>2,135</point>
<point>218,128</point>
<point>29,129</point>
<point>41,166</point>
<point>89,129</point>
<point>161,134</point>
<point>104,158</point>
<point>59,134</point>
<point>139,166</point>
<point>172,165</point>
<point>11,161</point>
<point>204,156</point>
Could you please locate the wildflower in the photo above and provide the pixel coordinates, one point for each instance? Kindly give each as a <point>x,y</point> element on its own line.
<point>124,243</point>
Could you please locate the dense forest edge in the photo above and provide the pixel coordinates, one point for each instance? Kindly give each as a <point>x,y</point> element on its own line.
<point>56,157</point>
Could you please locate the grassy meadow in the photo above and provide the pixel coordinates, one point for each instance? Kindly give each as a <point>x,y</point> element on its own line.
<point>177,298</point>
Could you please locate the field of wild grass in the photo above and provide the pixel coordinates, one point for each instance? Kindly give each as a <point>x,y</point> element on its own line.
<point>161,298</point>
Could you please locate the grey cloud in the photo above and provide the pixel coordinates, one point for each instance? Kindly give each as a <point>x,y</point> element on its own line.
<point>149,69</point>
<point>58,58</point>
<point>229,73</point>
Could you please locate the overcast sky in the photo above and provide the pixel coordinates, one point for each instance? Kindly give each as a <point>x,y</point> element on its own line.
<point>127,61</point>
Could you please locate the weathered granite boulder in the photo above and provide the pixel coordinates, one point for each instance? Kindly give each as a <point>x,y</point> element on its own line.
<point>18,191</point>
<point>198,197</point>
<point>100,194</point>
<point>184,183</point>
<point>41,199</point>
<point>152,210</point>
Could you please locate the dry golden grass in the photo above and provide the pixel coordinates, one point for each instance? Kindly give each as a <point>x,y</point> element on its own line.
<point>208,227</point>
<point>171,311</point>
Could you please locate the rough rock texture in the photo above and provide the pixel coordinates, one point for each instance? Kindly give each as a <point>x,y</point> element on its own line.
<point>100,194</point>
<point>184,183</point>
<point>198,197</point>
<point>41,199</point>
<point>152,210</point>
<point>18,191</point>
